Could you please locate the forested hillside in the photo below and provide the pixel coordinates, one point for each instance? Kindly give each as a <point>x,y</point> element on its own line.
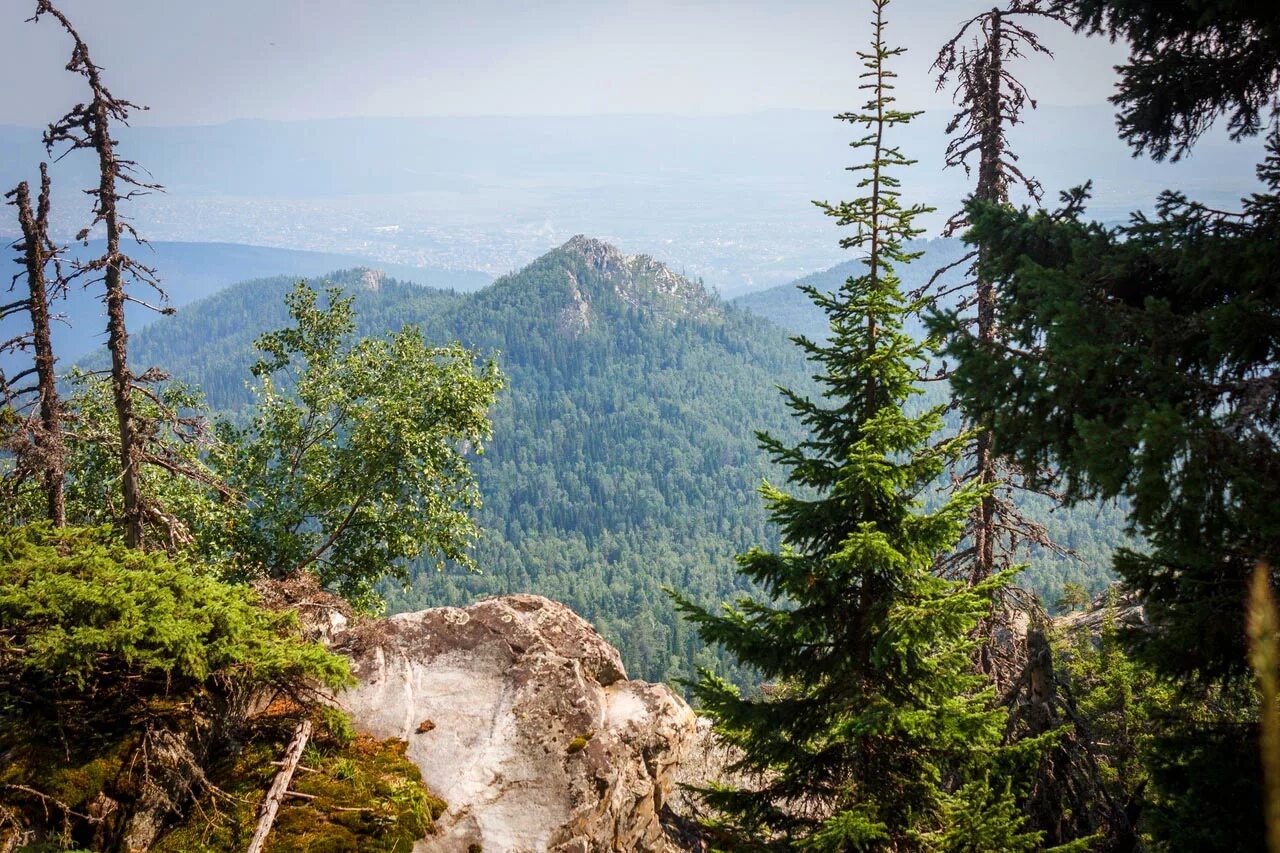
<point>624,457</point>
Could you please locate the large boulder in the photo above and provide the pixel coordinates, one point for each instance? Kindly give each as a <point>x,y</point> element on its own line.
<point>521,717</point>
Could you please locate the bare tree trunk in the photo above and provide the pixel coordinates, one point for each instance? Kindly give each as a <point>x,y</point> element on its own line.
<point>279,786</point>
<point>991,187</point>
<point>118,338</point>
<point>991,99</point>
<point>37,252</point>
<point>88,126</point>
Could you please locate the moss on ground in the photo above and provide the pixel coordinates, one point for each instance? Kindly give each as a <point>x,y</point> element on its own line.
<point>360,794</point>
<point>72,772</point>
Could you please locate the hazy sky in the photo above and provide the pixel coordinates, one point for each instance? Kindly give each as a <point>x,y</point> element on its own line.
<point>194,61</point>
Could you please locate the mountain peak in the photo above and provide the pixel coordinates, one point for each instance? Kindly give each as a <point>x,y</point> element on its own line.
<point>604,257</point>
<point>638,280</point>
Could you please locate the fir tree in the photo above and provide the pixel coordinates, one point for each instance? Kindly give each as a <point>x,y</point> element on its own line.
<point>876,732</point>
<point>1189,64</point>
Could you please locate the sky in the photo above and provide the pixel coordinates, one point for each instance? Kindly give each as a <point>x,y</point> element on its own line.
<point>197,62</point>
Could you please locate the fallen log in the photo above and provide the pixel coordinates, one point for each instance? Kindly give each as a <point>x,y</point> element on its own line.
<point>279,786</point>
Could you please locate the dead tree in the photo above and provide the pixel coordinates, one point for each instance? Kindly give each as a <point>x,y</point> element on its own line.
<point>88,126</point>
<point>1069,799</point>
<point>991,99</point>
<point>40,451</point>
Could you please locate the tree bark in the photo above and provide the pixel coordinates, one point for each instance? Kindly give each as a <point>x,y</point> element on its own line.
<point>991,187</point>
<point>37,252</point>
<point>89,126</point>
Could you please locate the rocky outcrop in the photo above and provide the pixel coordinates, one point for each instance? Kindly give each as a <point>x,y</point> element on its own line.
<point>1115,608</point>
<point>636,280</point>
<point>371,280</point>
<point>575,318</point>
<point>522,718</point>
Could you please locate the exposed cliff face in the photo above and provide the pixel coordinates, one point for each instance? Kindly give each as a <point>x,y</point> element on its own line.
<point>521,717</point>
<point>596,270</point>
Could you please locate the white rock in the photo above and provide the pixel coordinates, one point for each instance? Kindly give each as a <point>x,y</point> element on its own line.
<point>496,702</point>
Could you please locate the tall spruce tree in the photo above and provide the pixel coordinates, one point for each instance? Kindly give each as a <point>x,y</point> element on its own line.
<point>875,733</point>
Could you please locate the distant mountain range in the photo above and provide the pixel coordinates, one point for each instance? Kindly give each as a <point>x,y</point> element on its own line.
<point>790,307</point>
<point>723,198</point>
<point>192,271</point>
<point>624,458</point>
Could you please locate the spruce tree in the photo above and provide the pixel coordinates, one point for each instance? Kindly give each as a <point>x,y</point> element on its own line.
<point>875,732</point>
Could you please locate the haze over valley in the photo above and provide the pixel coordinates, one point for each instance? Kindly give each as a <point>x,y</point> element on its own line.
<point>721,198</point>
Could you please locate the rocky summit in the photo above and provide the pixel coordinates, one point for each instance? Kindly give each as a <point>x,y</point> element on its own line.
<point>638,281</point>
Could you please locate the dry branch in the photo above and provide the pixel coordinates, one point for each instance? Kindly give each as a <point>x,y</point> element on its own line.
<point>279,787</point>
<point>41,450</point>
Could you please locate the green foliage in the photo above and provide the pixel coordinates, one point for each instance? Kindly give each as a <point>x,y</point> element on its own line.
<point>1189,63</point>
<point>1140,358</point>
<point>618,464</point>
<point>354,459</point>
<point>186,511</point>
<point>1073,597</point>
<point>102,646</point>
<point>1143,356</point>
<point>81,612</point>
<point>1204,761</point>
<point>1168,753</point>
<point>1137,356</point>
<point>876,732</point>
<point>1142,364</point>
<point>1089,532</point>
<point>1117,698</point>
